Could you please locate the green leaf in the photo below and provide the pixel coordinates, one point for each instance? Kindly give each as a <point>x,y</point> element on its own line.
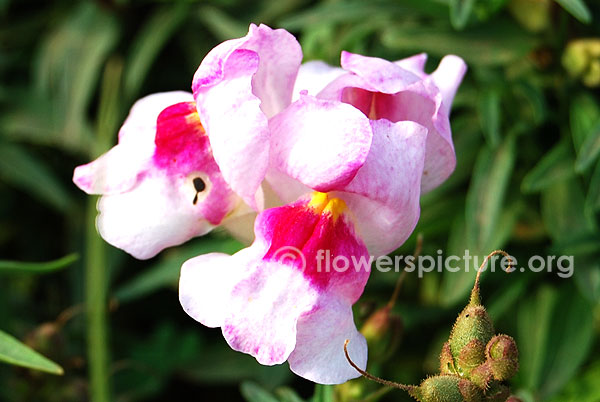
<point>533,330</point>
<point>584,116</point>
<point>582,388</point>
<point>38,267</point>
<point>460,11</point>
<point>23,170</point>
<point>14,352</point>
<point>148,43</point>
<point>220,24</point>
<point>253,392</point>
<point>69,64</point>
<point>485,197</point>
<point>577,9</point>
<point>166,272</point>
<point>563,210</point>
<point>490,115</point>
<point>555,334</point>
<point>286,394</point>
<point>555,166</point>
<point>570,339</point>
<point>592,201</point>
<point>589,151</point>
<point>499,42</point>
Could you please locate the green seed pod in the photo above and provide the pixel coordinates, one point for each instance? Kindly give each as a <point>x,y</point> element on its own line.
<point>446,360</point>
<point>482,375</point>
<point>472,329</point>
<point>497,393</point>
<point>471,356</point>
<point>472,324</point>
<point>447,388</point>
<point>503,357</point>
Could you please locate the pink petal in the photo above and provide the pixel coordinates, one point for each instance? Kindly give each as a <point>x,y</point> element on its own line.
<point>265,308</point>
<point>381,75</point>
<point>157,213</point>
<point>319,352</point>
<point>415,64</point>
<point>264,291</point>
<point>237,87</point>
<point>320,143</point>
<point>384,195</point>
<point>118,169</point>
<point>447,77</point>
<point>313,76</point>
<point>179,193</point>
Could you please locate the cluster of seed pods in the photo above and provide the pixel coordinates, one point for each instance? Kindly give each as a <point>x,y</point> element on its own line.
<point>475,363</point>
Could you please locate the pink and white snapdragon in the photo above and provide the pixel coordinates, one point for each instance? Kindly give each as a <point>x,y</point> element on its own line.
<point>352,178</point>
<point>160,185</point>
<point>348,150</point>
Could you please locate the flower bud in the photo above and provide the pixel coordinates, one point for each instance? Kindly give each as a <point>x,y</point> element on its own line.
<point>447,388</point>
<point>581,59</point>
<point>382,330</point>
<point>503,356</point>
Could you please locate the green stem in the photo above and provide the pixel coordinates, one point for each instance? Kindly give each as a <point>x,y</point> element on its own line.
<point>96,308</point>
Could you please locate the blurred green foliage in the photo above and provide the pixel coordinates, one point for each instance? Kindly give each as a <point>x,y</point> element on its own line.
<point>527,138</point>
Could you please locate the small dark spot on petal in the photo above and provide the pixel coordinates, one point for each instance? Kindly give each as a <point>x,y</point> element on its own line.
<point>199,184</point>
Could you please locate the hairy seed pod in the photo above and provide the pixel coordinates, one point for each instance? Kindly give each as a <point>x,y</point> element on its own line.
<point>447,388</point>
<point>503,356</point>
<point>473,323</point>
<point>446,360</point>
<point>497,393</point>
<point>471,356</point>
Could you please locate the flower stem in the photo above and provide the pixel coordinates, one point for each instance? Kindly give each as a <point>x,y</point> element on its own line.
<point>96,308</point>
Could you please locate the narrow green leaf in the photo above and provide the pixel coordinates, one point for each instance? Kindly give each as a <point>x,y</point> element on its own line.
<point>253,392</point>
<point>486,194</point>
<point>499,42</point>
<point>38,267</point>
<point>23,170</point>
<point>490,115</point>
<point>149,42</point>
<point>286,394</point>
<point>570,338</point>
<point>555,166</point>
<point>533,331</point>
<point>460,11</point>
<point>221,24</point>
<point>577,9</point>
<point>14,352</point>
<point>582,388</point>
<point>584,116</point>
<point>589,151</point>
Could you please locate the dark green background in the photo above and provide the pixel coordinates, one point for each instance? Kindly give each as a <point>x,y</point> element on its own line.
<point>527,139</point>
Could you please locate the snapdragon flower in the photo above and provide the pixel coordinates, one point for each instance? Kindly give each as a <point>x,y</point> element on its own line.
<point>349,162</point>
<point>160,185</point>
